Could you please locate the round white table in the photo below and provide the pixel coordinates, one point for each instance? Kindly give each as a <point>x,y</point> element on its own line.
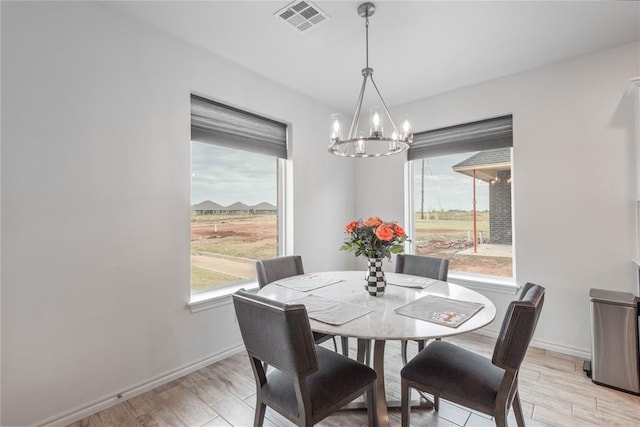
<point>383,323</point>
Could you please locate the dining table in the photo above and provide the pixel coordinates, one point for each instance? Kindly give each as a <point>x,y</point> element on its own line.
<point>412,308</point>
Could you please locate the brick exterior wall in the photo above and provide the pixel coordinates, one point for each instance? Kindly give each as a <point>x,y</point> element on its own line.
<point>500,209</point>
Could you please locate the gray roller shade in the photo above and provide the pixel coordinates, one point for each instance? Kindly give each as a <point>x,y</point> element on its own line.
<point>219,124</point>
<point>482,135</point>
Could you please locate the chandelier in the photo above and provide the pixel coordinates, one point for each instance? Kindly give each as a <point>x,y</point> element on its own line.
<point>375,143</point>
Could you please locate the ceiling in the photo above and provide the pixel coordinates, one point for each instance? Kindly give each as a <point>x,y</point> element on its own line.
<point>417,48</point>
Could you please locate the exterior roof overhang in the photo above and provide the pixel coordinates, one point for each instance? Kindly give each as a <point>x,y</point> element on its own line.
<point>486,172</point>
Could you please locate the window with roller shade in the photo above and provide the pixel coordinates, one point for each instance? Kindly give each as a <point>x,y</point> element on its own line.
<point>236,203</point>
<point>461,187</point>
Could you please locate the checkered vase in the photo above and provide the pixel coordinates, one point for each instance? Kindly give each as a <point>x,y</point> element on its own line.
<point>376,282</point>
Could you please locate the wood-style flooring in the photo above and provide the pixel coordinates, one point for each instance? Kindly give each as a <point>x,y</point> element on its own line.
<point>553,388</point>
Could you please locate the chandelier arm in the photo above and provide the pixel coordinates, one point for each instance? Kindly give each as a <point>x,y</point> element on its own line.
<point>354,123</point>
<point>384,105</point>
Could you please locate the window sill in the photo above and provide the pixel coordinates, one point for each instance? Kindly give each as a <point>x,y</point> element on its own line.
<point>497,284</point>
<point>217,297</point>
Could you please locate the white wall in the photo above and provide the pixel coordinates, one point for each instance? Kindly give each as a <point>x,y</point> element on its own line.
<point>574,180</point>
<point>95,203</point>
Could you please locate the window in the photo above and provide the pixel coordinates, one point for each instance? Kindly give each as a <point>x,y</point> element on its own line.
<point>462,207</point>
<point>236,158</point>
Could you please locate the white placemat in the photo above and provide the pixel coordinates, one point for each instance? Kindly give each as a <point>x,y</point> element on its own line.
<point>307,282</point>
<point>441,310</point>
<point>409,281</point>
<point>329,311</point>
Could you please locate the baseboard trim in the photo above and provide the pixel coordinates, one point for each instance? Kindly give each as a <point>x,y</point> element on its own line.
<point>79,413</point>
<point>546,345</point>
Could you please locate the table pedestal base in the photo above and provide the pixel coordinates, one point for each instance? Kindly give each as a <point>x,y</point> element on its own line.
<point>383,406</point>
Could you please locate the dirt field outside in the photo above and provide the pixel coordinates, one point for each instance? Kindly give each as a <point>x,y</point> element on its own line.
<point>449,235</point>
<point>224,247</point>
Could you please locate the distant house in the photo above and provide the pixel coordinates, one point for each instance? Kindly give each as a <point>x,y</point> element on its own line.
<point>238,208</point>
<point>494,167</point>
<point>263,208</point>
<point>207,208</point>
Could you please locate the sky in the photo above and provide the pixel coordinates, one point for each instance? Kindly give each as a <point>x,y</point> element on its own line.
<point>226,176</point>
<point>446,189</point>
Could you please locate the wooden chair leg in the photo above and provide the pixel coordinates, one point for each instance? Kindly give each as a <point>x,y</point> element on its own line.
<point>501,419</point>
<point>517,409</point>
<point>345,346</point>
<point>403,349</point>
<point>404,402</point>
<point>367,354</point>
<point>259,416</point>
<point>372,405</point>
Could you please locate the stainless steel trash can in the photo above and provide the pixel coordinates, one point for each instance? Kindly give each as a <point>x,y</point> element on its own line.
<point>614,339</point>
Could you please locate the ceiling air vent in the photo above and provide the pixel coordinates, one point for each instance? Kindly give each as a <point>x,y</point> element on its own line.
<point>302,15</point>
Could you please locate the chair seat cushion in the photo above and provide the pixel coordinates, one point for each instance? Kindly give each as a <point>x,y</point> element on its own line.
<point>450,370</point>
<point>336,378</point>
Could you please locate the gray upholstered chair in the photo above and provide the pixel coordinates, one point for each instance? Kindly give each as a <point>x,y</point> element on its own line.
<point>306,382</point>
<point>425,266</point>
<point>462,376</point>
<point>272,269</point>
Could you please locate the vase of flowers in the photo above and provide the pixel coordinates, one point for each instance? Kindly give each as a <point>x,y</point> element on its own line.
<point>376,240</point>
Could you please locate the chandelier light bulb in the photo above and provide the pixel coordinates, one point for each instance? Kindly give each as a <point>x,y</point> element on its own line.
<point>360,146</point>
<point>377,122</point>
<point>393,145</point>
<point>336,129</point>
<point>407,129</point>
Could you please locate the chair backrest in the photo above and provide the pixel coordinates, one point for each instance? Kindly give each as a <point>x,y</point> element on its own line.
<point>276,333</point>
<point>518,327</point>
<point>425,266</point>
<point>272,269</point>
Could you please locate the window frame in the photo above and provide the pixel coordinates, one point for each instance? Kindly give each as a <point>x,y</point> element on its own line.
<point>482,282</point>
<point>221,295</point>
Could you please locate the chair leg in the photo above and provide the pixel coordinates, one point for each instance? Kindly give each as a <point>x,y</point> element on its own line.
<point>372,404</point>
<point>335,344</point>
<point>345,346</point>
<point>501,419</point>
<point>404,402</point>
<point>403,349</point>
<point>517,409</point>
<point>260,410</point>
<point>436,402</point>
<point>367,353</point>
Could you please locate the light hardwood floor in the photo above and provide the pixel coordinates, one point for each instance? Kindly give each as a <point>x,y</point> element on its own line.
<point>553,388</point>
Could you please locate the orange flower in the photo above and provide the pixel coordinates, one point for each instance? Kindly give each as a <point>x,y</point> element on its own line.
<point>384,232</point>
<point>351,227</point>
<point>399,231</point>
<point>373,221</point>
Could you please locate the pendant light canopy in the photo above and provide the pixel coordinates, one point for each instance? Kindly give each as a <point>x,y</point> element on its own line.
<point>372,142</point>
